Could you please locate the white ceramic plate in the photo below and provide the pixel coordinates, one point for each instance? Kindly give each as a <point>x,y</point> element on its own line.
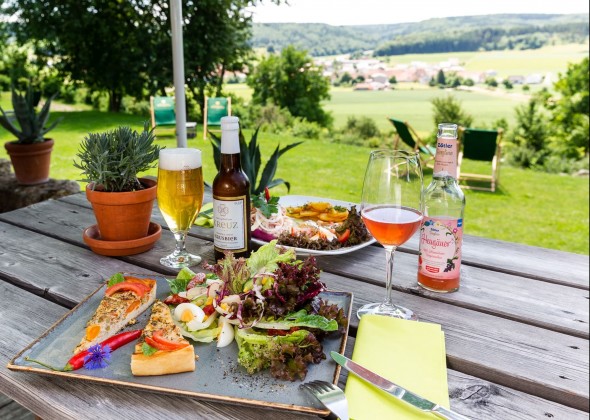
<point>298,200</point>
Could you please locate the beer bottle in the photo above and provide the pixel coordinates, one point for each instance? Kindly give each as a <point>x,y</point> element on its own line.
<point>441,233</point>
<point>231,196</point>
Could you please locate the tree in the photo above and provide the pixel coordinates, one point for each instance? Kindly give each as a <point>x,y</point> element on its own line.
<point>125,48</point>
<point>570,110</point>
<point>291,80</point>
<point>440,78</point>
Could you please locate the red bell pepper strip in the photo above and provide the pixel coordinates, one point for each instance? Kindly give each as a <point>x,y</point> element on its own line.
<point>266,194</point>
<point>139,289</point>
<point>158,341</point>
<point>77,361</point>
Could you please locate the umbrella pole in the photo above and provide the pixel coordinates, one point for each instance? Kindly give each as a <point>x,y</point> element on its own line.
<point>178,69</point>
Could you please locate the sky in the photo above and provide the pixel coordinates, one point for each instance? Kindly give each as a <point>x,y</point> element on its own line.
<point>371,12</point>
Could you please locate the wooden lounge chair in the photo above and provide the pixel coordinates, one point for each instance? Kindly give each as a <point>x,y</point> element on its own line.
<point>480,145</point>
<point>214,110</point>
<point>408,136</point>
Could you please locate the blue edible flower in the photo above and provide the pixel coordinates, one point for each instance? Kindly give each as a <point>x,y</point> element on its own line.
<point>98,357</point>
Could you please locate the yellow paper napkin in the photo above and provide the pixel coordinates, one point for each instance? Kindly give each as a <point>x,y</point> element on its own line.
<point>409,353</point>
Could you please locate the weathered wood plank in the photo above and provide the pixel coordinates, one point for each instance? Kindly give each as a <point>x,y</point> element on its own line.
<point>479,399</point>
<point>528,261</point>
<point>555,307</point>
<point>551,306</point>
<point>544,363</point>
<point>56,398</point>
<point>11,410</point>
<point>549,265</point>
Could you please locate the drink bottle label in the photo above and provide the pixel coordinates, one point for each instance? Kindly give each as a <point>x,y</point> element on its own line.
<point>440,247</point>
<point>445,163</point>
<point>230,221</point>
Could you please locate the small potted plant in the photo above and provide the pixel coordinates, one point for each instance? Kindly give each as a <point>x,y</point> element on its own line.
<point>30,153</point>
<point>110,162</point>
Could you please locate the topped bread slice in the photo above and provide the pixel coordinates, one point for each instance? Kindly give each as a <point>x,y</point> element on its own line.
<point>162,349</point>
<point>122,303</point>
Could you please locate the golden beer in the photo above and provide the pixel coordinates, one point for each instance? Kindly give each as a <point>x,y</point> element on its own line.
<point>180,196</point>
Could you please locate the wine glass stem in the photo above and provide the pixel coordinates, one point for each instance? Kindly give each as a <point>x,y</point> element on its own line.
<point>389,253</point>
<point>180,241</point>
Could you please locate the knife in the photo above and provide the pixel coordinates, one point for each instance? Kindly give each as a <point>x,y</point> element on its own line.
<point>393,389</point>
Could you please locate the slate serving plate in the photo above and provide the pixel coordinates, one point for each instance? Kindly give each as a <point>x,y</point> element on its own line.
<point>217,376</point>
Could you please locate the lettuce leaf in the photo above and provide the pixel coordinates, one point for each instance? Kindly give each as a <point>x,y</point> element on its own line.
<point>116,278</point>
<point>181,281</point>
<point>267,258</point>
<point>299,319</point>
<point>287,356</point>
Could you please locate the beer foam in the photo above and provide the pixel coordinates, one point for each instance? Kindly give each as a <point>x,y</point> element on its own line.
<point>179,159</point>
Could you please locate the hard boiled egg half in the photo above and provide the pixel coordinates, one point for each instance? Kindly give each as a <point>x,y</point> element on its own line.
<point>187,312</point>
<point>226,335</point>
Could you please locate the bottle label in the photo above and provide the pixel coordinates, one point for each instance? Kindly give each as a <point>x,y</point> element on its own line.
<point>230,223</point>
<point>440,247</point>
<point>445,163</point>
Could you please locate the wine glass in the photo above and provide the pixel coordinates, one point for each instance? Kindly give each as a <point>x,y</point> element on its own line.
<point>180,196</point>
<point>392,209</point>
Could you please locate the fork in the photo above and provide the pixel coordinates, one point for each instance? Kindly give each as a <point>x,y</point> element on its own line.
<point>330,395</point>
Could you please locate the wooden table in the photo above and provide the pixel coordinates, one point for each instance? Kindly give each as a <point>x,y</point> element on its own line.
<point>516,332</point>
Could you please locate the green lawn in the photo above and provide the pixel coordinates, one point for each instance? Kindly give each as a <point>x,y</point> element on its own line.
<point>533,208</point>
<point>413,105</point>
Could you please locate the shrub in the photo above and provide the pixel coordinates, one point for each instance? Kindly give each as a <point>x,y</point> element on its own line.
<point>363,127</point>
<point>448,110</point>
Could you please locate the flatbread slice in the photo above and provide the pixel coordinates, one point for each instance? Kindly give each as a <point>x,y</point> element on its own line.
<point>122,303</point>
<point>161,349</point>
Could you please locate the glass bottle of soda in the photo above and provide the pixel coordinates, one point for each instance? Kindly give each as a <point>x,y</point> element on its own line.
<point>441,233</point>
<point>231,196</point>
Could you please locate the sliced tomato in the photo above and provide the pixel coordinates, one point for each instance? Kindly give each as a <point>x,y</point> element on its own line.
<point>158,341</point>
<point>139,289</point>
<point>208,309</point>
<point>175,300</point>
<point>344,236</point>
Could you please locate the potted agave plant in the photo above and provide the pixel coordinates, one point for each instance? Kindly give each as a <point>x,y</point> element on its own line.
<point>110,163</point>
<point>30,153</point>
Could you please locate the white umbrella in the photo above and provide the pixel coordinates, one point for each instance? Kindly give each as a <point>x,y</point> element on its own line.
<point>178,68</point>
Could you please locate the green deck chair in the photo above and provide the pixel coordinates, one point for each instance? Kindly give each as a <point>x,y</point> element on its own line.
<point>408,135</point>
<point>162,110</point>
<point>164,114</point>
<point>215,109</point>
<point>480,145</point>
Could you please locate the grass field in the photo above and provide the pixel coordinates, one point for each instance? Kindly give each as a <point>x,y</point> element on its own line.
<point>533,208</point>
<point>550,59</point>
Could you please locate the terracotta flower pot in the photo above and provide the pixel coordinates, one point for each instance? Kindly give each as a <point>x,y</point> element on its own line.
<point>123,216</point>
<point>30,161</point>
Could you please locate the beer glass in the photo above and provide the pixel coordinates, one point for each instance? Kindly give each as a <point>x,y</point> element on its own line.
<point>180,196</point>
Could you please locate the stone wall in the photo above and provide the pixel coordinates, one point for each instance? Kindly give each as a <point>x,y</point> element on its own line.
<point>14,196</point>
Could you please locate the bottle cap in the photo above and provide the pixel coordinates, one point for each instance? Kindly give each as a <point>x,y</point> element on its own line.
<point>230,123</point>
<point>447,131</point>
